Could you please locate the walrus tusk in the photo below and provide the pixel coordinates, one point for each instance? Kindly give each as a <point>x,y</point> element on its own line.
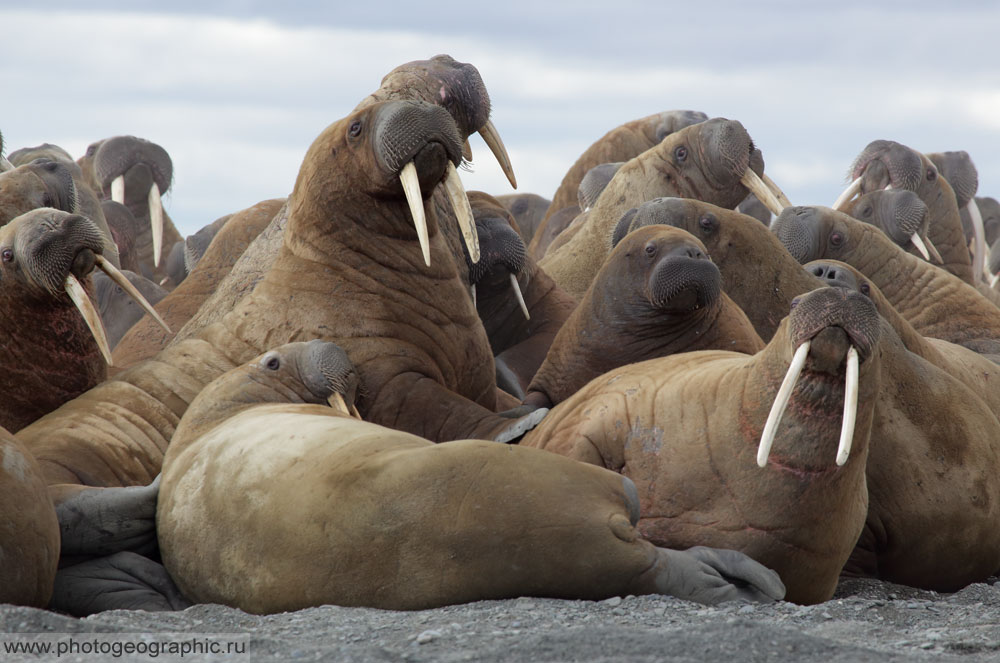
<point>780,402</point>
<point>919,243</point>
<point>411,187</point>
<point>118,189</point>
<point>776,190</point>
<point>354,411</point>
<point>492,140</point>
<point>753,182</point>
<point>463,211</point>
<point>852,190</point>
<point>850,407</point>
<point>79,296</point>
<point>473,289</point>
<point>979,234</point>
<point>935,256</point>
<point>336,401</point>
<point>994,279</point>
<point>105,265</point>
<point>520,298</point>
<point>156,222</point>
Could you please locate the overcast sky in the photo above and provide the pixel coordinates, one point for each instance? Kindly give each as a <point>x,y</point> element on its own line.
<point>236,91</point>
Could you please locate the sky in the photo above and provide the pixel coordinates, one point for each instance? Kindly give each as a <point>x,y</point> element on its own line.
<point>236,91</point>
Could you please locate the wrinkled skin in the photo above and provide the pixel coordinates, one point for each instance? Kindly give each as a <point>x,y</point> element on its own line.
<point>935,302</point>
<point>142,163</point>
<point>758,272</point>
<point>883,163</point>
<point>658,293</point>
<point>932,480</point>
<point>122,225</point>
<point>29,531</point>
<point>705,161</point>
<point>685,429</point>
<point>147,338</point>
<point>518,344</point>
<point>528,210</point>
<point>118,310</point>
<point>419,503</point>
<point>49,353</point>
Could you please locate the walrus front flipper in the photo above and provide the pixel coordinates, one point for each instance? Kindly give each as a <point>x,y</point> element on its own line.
<point>123,581</point>
<point>101,521</point>
<point>713,575</point>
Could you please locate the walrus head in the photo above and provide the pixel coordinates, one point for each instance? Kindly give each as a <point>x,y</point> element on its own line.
<point>594,182</point>
<point>317,371</point>
<point>832,331</point>
<point>50,252</point>
<point>40,183</point>
<point>501,250</point>
<point>898,213</point>
<point>812,232</point>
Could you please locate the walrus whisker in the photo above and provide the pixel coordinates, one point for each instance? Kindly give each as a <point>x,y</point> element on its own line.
<point>515,286</point>
<point>919,243</point>
<point>492,140</point>
<point>411,187</point>
<point>79,296</point>
<point>463,211</point>
<point>757,187</point>
<point>336,401</point>
<point>852,190</point>
<point>850,407</point>
<point>979,234</point>
<point>118,189</point>
<point>156,221</point>
<point>780,402</point>
<point>108,268</point>
<point>776,190</point>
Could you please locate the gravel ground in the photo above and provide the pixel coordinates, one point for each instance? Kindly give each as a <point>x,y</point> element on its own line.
<point>866,621</point>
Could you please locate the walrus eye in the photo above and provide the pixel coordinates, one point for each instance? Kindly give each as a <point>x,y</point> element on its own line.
<point>865,289</point>
<point>707,223</point>
<point>7,255</point>
<point>680,153</point>
<point>272,363</point>
<point>650,249</point>
<point>355,129</point>
<point>931,174</point>
<point>836,239</point>
<point>795,302</point>
<point>867,211</point>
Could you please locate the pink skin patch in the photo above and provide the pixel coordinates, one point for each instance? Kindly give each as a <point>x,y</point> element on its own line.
<point>444,93</point>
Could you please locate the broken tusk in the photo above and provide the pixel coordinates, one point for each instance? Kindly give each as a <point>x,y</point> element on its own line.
<point>105,265</point>
<point>411,187</point>
<point>492,139</point>
<point>780,402</point>
<point>852,190</point>
<point>336,401</point>
<point>919,243</point>
<point>979,235</point>
<point>776,190</point>
<point>118,189</point>
<point>466,150</point>
<point>156,222</point>
<point>520,297</point>
<point>86,307</point>
<point>463,211</point>
<point>753,182</point>
<point>850,407</point>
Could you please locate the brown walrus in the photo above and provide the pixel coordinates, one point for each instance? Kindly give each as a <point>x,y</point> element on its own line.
<point>658,293</point>
<point>319,508</point>
<point>691,429</point>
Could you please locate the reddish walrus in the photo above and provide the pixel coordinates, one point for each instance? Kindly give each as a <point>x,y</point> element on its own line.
<point>658,293</point>
<point>319,508</point>
<point>691,429</point>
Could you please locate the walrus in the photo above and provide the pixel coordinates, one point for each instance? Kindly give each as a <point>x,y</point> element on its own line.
<point>54,344</point>
<point>933,460</point>
<point>934,301</point>
<point>714,161</point>
<point>528,209</point>
<point>900,214</point>
<point>657,293</point>
<point>957,168</point>
<point>521,308</point>
<point>715,463</point>
<point>886,163</point>
<point>319,508</point>
<point>29,531</point>
<point>119,312</point>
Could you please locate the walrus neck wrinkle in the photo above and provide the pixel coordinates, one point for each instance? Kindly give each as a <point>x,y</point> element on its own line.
<point>904,280</point>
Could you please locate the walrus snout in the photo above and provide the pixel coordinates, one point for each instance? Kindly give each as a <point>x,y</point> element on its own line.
<point>52,244</point>
<point>847,309</point>
<point>415,130</point>
<point>728,147</point>
<point>684,279</point>
<point>141,162</point>
<point>798,230</point>
<point>885,162</point>
<point>325,369</point>
<point>897,212</point>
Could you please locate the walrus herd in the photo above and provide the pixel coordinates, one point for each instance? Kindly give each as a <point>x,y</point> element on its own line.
<point>384,391</point>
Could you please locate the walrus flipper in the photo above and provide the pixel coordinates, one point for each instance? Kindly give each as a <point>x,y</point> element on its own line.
<point>714,575</point>
<point>123,581</point>
<point>102,521</point>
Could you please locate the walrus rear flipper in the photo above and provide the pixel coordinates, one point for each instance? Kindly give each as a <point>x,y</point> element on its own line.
<point>103,521</point>
<point>123,581</point>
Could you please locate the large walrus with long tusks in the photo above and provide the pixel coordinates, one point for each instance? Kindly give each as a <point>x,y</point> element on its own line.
<point>319,507</point>
<point>765,453</point>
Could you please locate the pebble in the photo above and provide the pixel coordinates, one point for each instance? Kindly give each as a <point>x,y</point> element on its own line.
<point>613,601</point>
<point>745,610</point>
<point>427,636</point>
<point>826,615</point>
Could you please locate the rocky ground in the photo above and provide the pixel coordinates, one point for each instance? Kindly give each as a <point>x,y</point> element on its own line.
<point>866,621</point>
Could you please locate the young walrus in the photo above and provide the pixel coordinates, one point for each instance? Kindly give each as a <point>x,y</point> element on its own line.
<point>658,293</point>
<point>319,507</point>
